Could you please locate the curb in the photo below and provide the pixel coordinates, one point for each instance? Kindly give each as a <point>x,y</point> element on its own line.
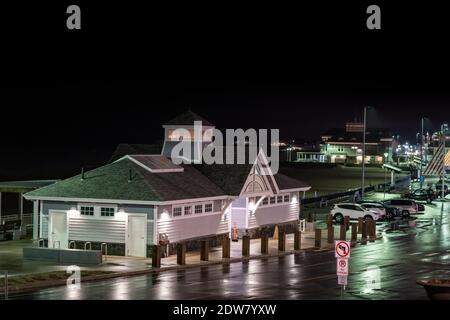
<point>14,289</point>
<point>57,283</point>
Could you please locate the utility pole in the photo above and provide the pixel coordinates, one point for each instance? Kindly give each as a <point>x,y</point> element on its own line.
<point>363,154</point>
<point>385,174</point>
<point>421,157</point>
<point>443,131</point>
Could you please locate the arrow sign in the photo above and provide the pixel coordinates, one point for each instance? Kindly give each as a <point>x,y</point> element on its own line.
<point>342,249</point>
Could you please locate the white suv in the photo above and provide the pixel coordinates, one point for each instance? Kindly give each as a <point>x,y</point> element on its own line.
<point>354,211</point>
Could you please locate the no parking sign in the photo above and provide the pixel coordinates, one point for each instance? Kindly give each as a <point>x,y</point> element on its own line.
<point>342,267</point>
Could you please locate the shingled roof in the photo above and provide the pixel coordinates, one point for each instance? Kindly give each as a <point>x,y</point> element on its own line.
<point>154,178</point>
<point>112,182</point>
<point>187,118</point>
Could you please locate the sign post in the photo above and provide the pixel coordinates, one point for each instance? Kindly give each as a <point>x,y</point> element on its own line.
<point>342,254</point>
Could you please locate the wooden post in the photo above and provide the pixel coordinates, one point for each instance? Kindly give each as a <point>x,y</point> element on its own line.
<point>264,244</point>
<point>372,231</point>
<point>226,247</point>
<point>318,238</point>
<point>347,222</point>
<point>204,251</point>
<point>343,232</point>
<point>156,256</point>
<point>282,241</point>
<point>330,234</point>
<point>354,234</point>
<point>181,253</point>
<point>364,233</point>
<point>329,221</point>
<point>246,246</point>
<point>297,240</point>
<point>360,225</point>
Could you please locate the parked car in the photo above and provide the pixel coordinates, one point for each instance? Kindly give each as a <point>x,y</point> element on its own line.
<point>391,212</point>
<point>354,211</point>
<point>421,195</point>
<point>405,206</point>
<point>380,209</point>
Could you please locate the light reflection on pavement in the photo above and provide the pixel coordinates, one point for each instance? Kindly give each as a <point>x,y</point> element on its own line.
<point>404,254</point>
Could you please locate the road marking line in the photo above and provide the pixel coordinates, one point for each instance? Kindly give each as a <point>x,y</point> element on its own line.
<point>415,253</point>
<point>431,254</point>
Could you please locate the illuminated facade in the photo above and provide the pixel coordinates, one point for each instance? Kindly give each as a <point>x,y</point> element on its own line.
<point>345,145</point>
<point>139,200</point>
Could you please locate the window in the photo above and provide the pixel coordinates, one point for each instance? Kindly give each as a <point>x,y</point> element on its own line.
<point>87,211</point>
<point>198,209</point>
<point>279,199</point>
<point>187,210</point>
<point>265,201</point>
<point>272,200</point>
<point>107,212</point>
<point>208,207</point>
<point>286,198</point>
<point>176,212</point>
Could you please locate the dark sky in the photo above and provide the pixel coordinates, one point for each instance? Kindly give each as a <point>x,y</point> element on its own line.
<point>69,98</point>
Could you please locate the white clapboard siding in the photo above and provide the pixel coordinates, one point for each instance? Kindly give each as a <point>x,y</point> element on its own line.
<point>192,227</point>
<point>99,230</point>
<point>44,226</point>
<point>273,215</point>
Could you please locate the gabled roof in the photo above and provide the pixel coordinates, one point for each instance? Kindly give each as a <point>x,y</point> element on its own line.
<point>187,119</point>
<point>229,177</point>
<point>154,178</point>
<point>112,182</point>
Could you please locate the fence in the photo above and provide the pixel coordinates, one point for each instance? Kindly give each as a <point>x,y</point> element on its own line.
<point>341,196</point>
<point>27,218</point>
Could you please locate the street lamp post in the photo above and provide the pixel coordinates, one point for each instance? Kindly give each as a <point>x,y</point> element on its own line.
<point>421,156</point>
<point>363,153</point>
<point>385,174</point>
<point>444,129</point>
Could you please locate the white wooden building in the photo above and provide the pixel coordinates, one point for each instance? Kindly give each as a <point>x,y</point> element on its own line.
<point>138,200</point>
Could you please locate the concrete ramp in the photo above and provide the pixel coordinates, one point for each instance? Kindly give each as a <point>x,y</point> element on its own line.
<point>63,256</point>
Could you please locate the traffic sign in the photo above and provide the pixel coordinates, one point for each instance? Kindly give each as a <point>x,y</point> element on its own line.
<point>342,267</point>
<point>342,280</point>
<point>342,249</point>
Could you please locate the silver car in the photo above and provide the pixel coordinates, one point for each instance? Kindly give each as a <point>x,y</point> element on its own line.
<point>406,207</point>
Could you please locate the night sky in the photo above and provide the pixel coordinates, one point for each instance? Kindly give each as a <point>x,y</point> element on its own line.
<point>67,99</point>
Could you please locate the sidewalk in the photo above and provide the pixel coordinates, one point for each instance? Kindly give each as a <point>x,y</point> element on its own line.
<point>127,264</point>
<point>118,266</point>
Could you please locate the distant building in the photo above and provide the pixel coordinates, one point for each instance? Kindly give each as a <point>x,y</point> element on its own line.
<point>301,152</point>
<point>344,145</point>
